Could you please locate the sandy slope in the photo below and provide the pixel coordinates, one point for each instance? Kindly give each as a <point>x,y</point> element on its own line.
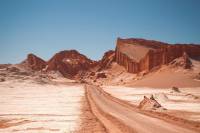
<point>171,75</point>
<point>127,117</point>
<point>167,78</point>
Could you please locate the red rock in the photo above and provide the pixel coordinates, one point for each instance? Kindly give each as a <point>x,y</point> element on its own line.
<point>92,74</point>
<point>101,75</point>
<point>69,63</point>
<point>107,59</point>
<point>35,63</point>
<point>138,55</point>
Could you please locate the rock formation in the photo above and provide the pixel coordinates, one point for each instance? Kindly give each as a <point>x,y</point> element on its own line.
<point>101,75</point>
<point>34,63</point>
<point>186,60</point>
<point>69,63</point>
<point>138,55</point>
<point>149,104</point>
<point>107,59</point>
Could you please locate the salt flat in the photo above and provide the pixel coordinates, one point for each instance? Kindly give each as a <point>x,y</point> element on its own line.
<point>34,108</point>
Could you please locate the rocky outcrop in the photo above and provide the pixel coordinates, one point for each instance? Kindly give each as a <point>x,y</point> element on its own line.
<point>101,75</point>
<point>107,59</point>
<point>187,63</point>
<point>34,63</point>
<point>69,63</point>
<point>183,62</point>
<point>149,104</point>
<point>138,55</point>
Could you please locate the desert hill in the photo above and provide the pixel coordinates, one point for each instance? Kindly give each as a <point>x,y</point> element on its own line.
<point>135,62</point>
<point>69,63</point>
<point>147,63</point>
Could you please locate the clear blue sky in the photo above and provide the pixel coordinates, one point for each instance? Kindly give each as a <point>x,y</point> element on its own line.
<point>44,27</point>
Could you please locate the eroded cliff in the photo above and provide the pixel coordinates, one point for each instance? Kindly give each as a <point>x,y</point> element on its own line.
<point>138,55</point>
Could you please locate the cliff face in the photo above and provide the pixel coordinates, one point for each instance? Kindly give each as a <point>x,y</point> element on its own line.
<point>138,55</point>
<point>69,63</point>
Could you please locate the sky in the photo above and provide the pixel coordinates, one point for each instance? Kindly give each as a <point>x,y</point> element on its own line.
<point>44,27</point>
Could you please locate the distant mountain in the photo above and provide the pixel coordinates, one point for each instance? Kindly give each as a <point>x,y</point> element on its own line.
<point>69,63</point>
<point>135,55</point>
<point>34,63</point>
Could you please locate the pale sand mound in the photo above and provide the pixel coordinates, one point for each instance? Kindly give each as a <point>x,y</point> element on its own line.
<point>167,77</point>
<point>161,97</point>
<point>149,104</point>
<point>191,96</point>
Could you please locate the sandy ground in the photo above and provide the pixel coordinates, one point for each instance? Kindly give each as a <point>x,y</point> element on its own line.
<point>185,104</point>
<point>165,76</point>
<point>89,122</point>
<point>118,117</point>
<point>36,103</point>
<point>28,107</point>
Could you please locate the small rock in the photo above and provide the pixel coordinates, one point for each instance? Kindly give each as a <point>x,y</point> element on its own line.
<point>175,89</point>
<point>2,79</point>
<point>101,75</point>
<point>92,73</point>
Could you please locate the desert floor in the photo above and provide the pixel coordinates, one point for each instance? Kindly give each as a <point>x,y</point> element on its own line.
<point>28,107</point>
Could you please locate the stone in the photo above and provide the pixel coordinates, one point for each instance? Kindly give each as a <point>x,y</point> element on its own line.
<point>175,89</point>
<point>92,74</point>
<point>101,75</point>
<point>149,104</point>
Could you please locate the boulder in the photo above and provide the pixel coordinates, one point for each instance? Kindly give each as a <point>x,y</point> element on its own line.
<point>2,79</point>
<point>101,75</point>
<point>92,74</point>
<point>149,104</point>
<point>175,89</point>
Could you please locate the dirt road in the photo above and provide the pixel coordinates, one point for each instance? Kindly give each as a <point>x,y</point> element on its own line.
<point>118,118</point>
